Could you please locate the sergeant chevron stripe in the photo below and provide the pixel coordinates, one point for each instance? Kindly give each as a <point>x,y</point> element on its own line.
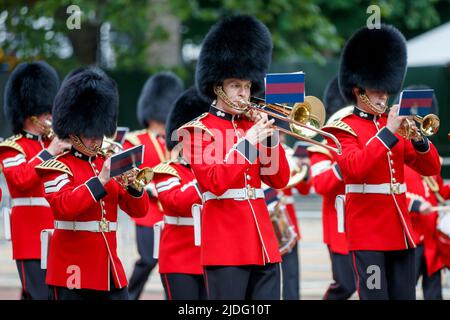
<point>14,161</point>
<point>56,184</point>
<point>167,185</point>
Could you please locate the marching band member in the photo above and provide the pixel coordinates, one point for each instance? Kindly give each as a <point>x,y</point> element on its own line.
<point>231,156</point>
<point>327,181</point>
<point>421,200</point>
<point>290,261</point>
<point>29,94</point>
<point>378,224</point>
<point>83,262</point>
<point>179,258</point>
<point>424,220</point>
<point>157,96</point>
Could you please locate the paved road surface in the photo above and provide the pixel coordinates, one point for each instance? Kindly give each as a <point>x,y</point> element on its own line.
<point>315,268</point>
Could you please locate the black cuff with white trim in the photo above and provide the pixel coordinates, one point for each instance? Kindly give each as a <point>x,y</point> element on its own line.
<point>421,145</point>
<point>387,137</point>
<point>96,188</point>
<point>135,193</point>
<point>245,148</point>
<point>337,171</point>
<point>44,155</point>
<point>415,207</point>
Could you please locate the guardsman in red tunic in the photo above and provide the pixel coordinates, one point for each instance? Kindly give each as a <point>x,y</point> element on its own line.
<point>377,221</point>
<point>424,220</point>
<point>179,257</point>
<point>327,181</point>
<point>421,194</point>
<point>157,96</point>
<point>82,258</point>
<point>29,96</point>
<point>231,156</point>
<point>290,263</point>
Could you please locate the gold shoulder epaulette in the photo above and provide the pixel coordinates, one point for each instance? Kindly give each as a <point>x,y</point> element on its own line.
<point>319,149</point>
<point>196,123</point>
<point>165,168</point>
<point>54,165</point>
<point>132,137</point>
<point>11,143</point>
<point>338,124</point>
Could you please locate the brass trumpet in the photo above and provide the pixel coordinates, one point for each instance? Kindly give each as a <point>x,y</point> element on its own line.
<point>429,125</point>
<point>142,177</point>
<point>46,127</point>
<point>305,119</point>
<point>298,173</point>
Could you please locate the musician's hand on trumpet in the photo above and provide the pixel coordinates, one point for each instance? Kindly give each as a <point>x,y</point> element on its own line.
<point>261,130</point>
<point>104,175</point>
<point>394,121</point>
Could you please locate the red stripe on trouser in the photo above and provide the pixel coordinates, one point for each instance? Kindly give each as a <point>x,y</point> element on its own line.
<point>206,281</point>
<point>325,296</point>
<point>169,294</point>
<point>56,293</point>
<point>357,274</point>
<point>24,281</point>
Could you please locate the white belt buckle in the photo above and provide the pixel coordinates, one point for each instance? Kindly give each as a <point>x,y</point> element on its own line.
<point>103,225</point>
<point>251,193</point>
<point>395,188</point>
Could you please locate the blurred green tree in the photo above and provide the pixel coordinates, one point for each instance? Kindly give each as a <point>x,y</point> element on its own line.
<point>148,34</point>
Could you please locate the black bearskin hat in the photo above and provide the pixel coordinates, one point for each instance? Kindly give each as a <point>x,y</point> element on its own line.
<point>157,96</point>
<point>434,104</point>
<point>76,71</point>
<point>235,47</point>
<point>87,104</point>
<point>373,59</point>
<point>188,106</point>
<point>30,91</point>
<point>332,97</point>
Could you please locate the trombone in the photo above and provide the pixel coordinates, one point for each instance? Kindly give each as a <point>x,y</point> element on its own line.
<point>305,119</point>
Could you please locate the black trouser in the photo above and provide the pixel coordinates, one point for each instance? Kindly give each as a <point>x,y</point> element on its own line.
<point>63,293</point>
<point>344,280</point>
<point>431,285</point>
<point>385,275</point>
<point>291,274</point>
<point>181,286</point>
<point>32,278</point>
<point>146,262</point>
<point>249,282</point>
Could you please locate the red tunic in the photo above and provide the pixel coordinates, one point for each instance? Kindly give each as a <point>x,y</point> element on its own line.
<point>423,224</point>
<point>76,194</point>
<point>18,157</point>
<point>154,153</point>
<point>371,154</point>
<point>234,232</point>
<point>303,188</point>
<point>177,192</point>
<point>327,182</point>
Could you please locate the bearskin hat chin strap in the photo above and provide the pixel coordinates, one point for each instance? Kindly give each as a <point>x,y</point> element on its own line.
<point>222,95</point>
<point>377,109</point>
<point>80,146</point>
